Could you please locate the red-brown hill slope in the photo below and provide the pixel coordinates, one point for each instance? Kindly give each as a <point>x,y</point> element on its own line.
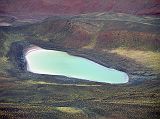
<point>36,8</point>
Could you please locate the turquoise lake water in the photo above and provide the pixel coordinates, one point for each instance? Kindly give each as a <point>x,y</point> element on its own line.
<point>53,62</point>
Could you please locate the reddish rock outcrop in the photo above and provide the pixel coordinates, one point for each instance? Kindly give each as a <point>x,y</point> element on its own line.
<point>38,8</point>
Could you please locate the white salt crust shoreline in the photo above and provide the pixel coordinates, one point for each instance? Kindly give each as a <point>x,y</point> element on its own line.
<point>31,49</point>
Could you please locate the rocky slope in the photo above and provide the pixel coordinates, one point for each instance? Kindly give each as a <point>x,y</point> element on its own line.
<point>91,34</point>
<point>31,11</point>
<point>52,7</point>
<point>122,41</point>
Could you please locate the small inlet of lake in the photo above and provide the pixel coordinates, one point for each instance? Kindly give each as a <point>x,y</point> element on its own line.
<point>53,62</point>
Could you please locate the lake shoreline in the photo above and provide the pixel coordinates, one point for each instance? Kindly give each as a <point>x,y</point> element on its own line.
<point>73,66</point>
<point>88,54</point>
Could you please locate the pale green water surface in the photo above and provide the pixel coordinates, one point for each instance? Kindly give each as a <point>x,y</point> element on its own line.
<point>53,62</point>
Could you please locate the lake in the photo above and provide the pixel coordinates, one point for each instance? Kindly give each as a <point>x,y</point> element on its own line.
<point>53,62</point>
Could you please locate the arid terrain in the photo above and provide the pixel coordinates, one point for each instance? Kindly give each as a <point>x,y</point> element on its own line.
<point>117,38</point>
